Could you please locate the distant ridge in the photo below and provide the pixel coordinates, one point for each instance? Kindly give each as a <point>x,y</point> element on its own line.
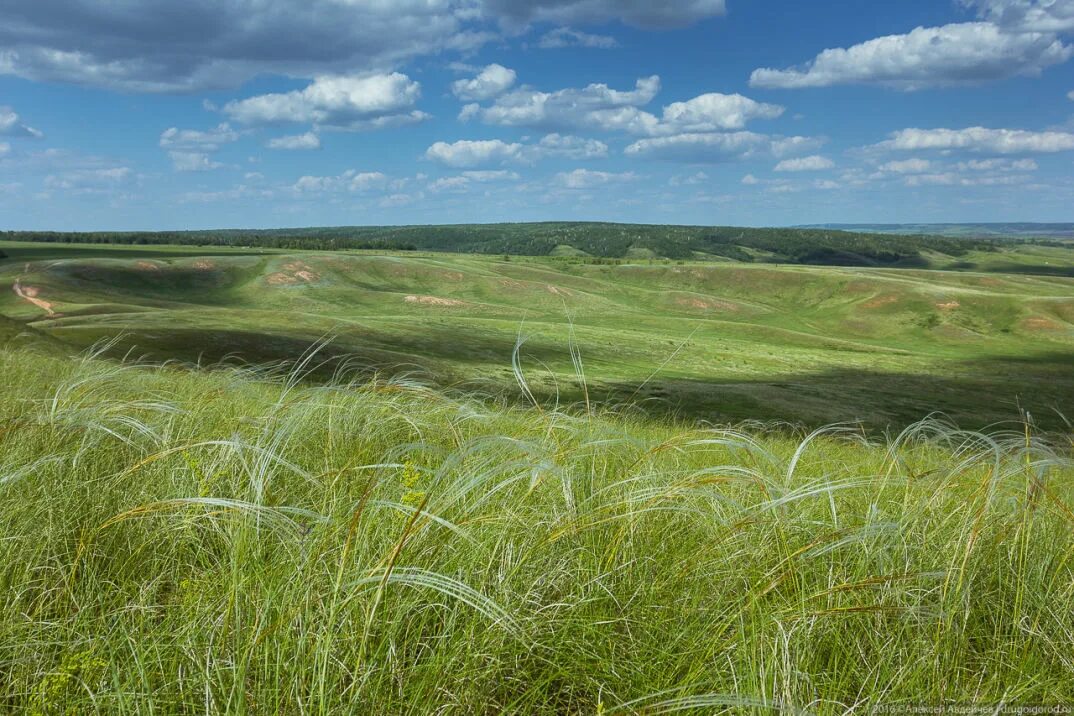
<point>1021,230</point>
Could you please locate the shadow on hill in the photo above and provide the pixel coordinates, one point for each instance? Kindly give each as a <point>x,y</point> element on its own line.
<point>1034,270</point>
<point>430,352</point>
<point>973,394</point>
<point>145,279</point>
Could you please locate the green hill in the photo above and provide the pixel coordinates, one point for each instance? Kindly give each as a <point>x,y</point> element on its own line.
<point>601,240</point>
<point>699,340</point>
<point>220,542</point>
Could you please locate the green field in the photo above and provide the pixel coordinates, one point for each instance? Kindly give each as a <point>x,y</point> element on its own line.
<point>548,485</point>
<point>716,341</point>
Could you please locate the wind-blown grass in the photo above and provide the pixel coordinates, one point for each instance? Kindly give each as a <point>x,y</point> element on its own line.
<point>188,541</point>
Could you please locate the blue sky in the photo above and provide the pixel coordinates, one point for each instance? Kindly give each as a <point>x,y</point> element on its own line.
<point>159,114</point>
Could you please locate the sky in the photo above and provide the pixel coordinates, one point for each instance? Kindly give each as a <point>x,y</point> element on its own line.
<point>163,115</point>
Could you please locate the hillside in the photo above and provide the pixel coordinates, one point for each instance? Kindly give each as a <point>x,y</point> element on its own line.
<point>1023,230</point>
<point>219,542</point>
<point>720,342</point>
<point>598,240</point>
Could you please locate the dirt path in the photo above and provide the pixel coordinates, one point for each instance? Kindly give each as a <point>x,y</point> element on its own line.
<point>29,293</point>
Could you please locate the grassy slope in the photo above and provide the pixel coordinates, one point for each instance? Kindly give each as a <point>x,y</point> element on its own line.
<point>210,542</point>
<point>726,341</point>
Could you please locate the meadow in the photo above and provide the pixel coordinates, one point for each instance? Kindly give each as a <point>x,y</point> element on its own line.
<point>530,484</point>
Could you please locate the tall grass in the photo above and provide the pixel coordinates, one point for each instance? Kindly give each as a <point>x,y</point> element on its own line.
<point>230,541</point>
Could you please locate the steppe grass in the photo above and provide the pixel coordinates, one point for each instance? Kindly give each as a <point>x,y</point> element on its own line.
<point>235,541</point>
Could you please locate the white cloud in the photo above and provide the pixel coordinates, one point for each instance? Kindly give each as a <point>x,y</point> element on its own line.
<point>593,105</point>
<point>692,180</point>
<point>185,161</point>
<point>452,185</point>
<point>907,166</point>
<point>790,146</point>
<point>180,46</point>
<point>750,180</point>
<point>12,126</point>
<point>812,163</point>
<point>89,181</point>
<point>719,147</point>
<point>490,82</point>
<point>463,182</point>
<point>599,107</point>
<point>694,146</point>
<point>309,140</point>
<point>639,13</point>
<point>467,153</point>
<point>954,179</point>
<point>193,140</point>
<point>491,176</point>
<point>349,181</point>
<point>5,148</point>
<point>1027,15</point>
<point>1001,165</point>
<point>176,45</point>
<point>980,140</point>
<point>397,200</point>
<point>926,57</point>
<point>338,102</point>
<point>715,112</point>
<point>567,37</point>
<point>571,147</point>
<point>586,179</point>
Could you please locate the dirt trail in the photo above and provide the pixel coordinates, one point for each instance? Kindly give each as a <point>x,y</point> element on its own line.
<point>29,293</point>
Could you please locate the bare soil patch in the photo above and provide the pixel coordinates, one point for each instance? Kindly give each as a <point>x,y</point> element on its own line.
<point>434,301</point>
<point>881,301</point>
<point>707,304</point>
<point>293,274</point>
<point>32,295</point>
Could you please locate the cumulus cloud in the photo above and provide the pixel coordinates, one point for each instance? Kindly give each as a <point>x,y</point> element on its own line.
<point>337,102</point>
<point>1002,165</point>
<point>571,147</point>
<point>181,46</point>
<point>12,126</point>
<point>197,140</point>
<point>699,147</point>
<point>309,140</point>
<point>926,57</point>
<point>714,112</point>
<point>187,161</point>
<point>593,105</point>
<point>692,180</point>
<point>349,181</point>
<point>587,179</point>
<point>568,37</point>
<point>907,166</point>
<point>89,181</point>
<point>602,108</point>
<point>1027,15</point>
<point>173,45</point>
<point>979,140</point>
<point>463,182</point>
<point>719,147</point>
<point>467,153</point>
<point>5,148</point>
<point>639,13</point>
<point>812,163</point>
<point>491,81</point>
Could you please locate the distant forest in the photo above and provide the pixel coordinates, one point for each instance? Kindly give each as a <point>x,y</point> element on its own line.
<point>817,246</point>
